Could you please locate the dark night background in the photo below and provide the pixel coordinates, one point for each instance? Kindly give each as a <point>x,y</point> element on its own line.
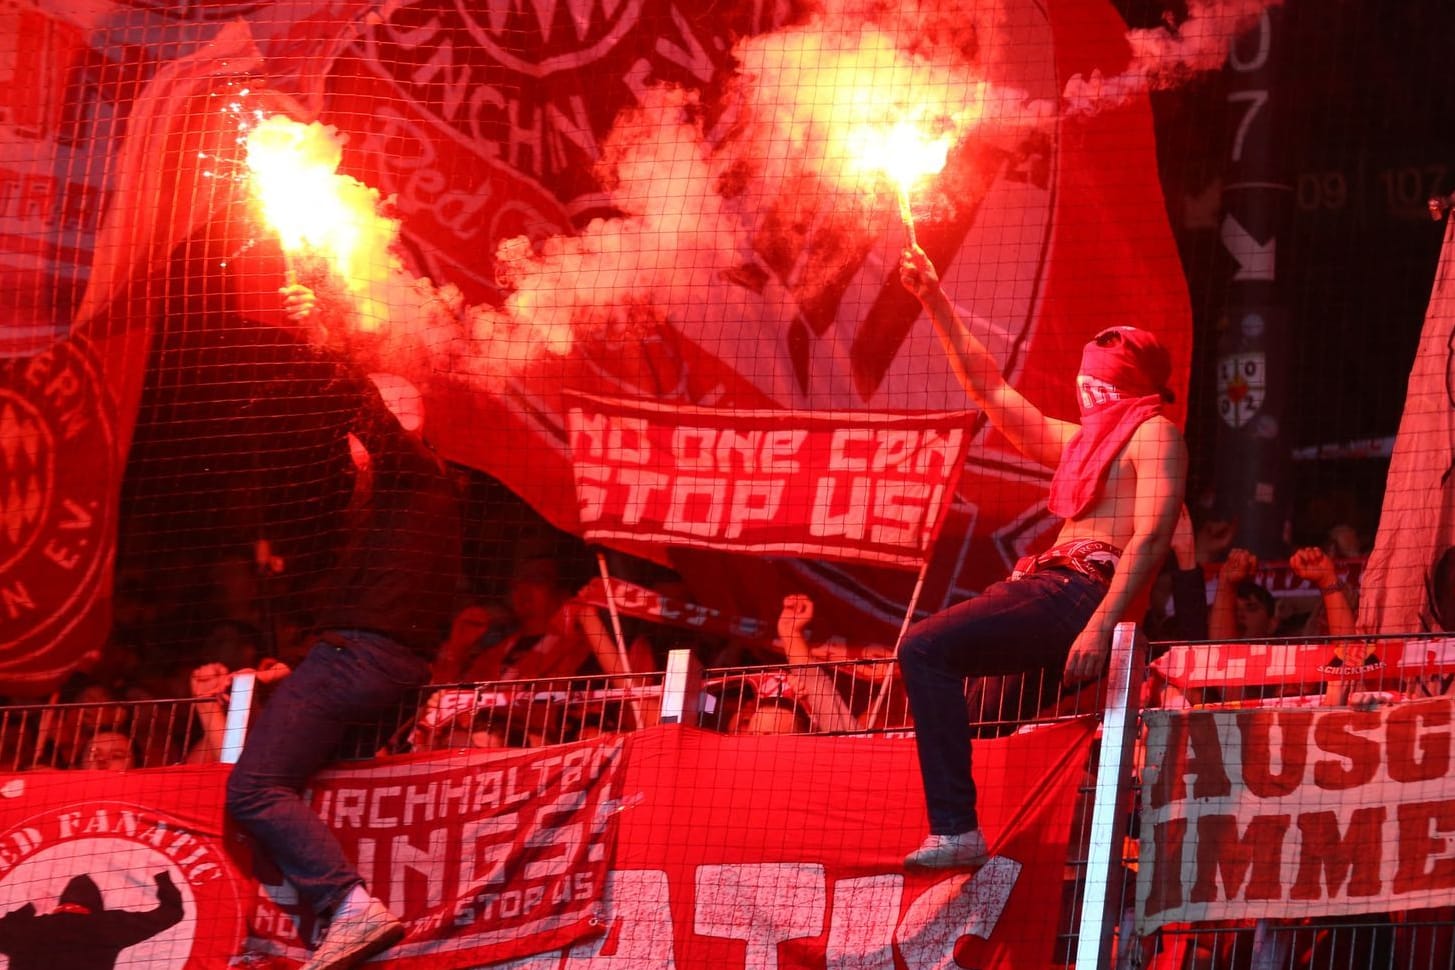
<point>1364,138</point>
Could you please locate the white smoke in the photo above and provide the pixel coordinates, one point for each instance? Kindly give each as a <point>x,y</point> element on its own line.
<point>696,204</point>
<point>1165,57</point>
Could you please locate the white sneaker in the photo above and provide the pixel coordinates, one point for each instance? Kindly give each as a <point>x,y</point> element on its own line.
<point>950,851</point>
<point>350,940</point>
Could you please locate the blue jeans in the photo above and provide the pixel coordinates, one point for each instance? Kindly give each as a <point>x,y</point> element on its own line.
<point>359,677</point>
<point>1013,627</point>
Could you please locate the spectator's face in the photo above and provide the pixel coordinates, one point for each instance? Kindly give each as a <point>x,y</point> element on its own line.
<point>1253,618</point>
<point>134,602</point>
<point>77,721</point>
<point>493,737</point>
<point>291,644</point>
<point>1343,542</point>
<point>108,751</point>
<point>533,602</point>
<point>237,583</point>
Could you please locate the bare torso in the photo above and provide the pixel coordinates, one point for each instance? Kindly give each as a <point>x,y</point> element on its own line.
<point>1113,516</point>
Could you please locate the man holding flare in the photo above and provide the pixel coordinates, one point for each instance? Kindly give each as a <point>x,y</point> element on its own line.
<point>1118,484</point>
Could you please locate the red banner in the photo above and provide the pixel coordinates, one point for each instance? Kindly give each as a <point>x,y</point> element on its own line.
<point>488,856</point>
<point>95,863</point>
<point>1287,814</point>
<point>667,847</point>
<point>854,486</point>
<point>786,851</point>
<point>1252,664</point>
<point>648,604</point>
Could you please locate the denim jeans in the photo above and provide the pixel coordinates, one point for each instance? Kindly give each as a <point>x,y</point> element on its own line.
<point>1014,626</point>
<point>358,677</point>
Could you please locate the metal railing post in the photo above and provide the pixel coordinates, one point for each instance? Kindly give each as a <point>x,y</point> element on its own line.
<point>1111,810</point>
<point>239,709</point>
<point>681,688</point>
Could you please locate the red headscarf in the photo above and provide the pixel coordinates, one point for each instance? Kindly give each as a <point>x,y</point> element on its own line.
<point>1122,383</point>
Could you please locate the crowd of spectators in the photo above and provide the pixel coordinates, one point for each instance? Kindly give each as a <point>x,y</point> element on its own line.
<point>157,694</point>
<point>149,701</point>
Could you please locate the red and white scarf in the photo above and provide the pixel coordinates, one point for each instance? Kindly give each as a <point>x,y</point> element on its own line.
<point>1122,383</point>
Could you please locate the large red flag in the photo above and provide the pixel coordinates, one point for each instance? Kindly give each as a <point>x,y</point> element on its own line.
<point>627,201</point>
<point>1046,227</point>
<point>68,402</point>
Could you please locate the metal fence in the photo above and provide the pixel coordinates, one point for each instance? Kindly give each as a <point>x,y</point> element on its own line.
<point>1094,928</point>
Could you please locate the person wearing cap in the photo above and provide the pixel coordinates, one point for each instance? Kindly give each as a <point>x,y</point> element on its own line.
<point>1118,485</point>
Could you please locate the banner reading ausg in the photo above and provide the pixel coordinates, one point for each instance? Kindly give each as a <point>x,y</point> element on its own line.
<point>1291,814</point>
<point>820,484</point>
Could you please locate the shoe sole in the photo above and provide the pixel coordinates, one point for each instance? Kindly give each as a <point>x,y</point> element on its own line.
<point>368,950</point>
<point>950,864</point>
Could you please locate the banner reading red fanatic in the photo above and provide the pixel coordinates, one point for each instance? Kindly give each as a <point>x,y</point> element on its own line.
<point>848,485</point>
<point>1287,814</point>
<point>101,869</point>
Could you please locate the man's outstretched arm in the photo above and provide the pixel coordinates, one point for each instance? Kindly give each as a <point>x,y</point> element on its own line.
<point>121,927</point>
<point>1034,435</point>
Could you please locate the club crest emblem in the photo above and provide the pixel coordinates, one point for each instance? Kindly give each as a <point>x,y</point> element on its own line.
<point>1242,387</point>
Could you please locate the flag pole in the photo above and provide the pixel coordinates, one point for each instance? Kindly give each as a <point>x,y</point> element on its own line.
<point>879,698</point>
<point>616,632</point>
<point>951,484</point>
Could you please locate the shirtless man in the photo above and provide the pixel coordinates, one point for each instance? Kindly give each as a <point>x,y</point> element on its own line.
<point>1119,484</point>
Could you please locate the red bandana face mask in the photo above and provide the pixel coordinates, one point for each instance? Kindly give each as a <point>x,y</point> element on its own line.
<point>1121,363</point>
<point>1122,383</point>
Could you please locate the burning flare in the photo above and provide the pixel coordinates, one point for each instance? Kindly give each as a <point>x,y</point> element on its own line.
<point>904,153</point>
<point>293,173</point>
<point>859,111</point>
